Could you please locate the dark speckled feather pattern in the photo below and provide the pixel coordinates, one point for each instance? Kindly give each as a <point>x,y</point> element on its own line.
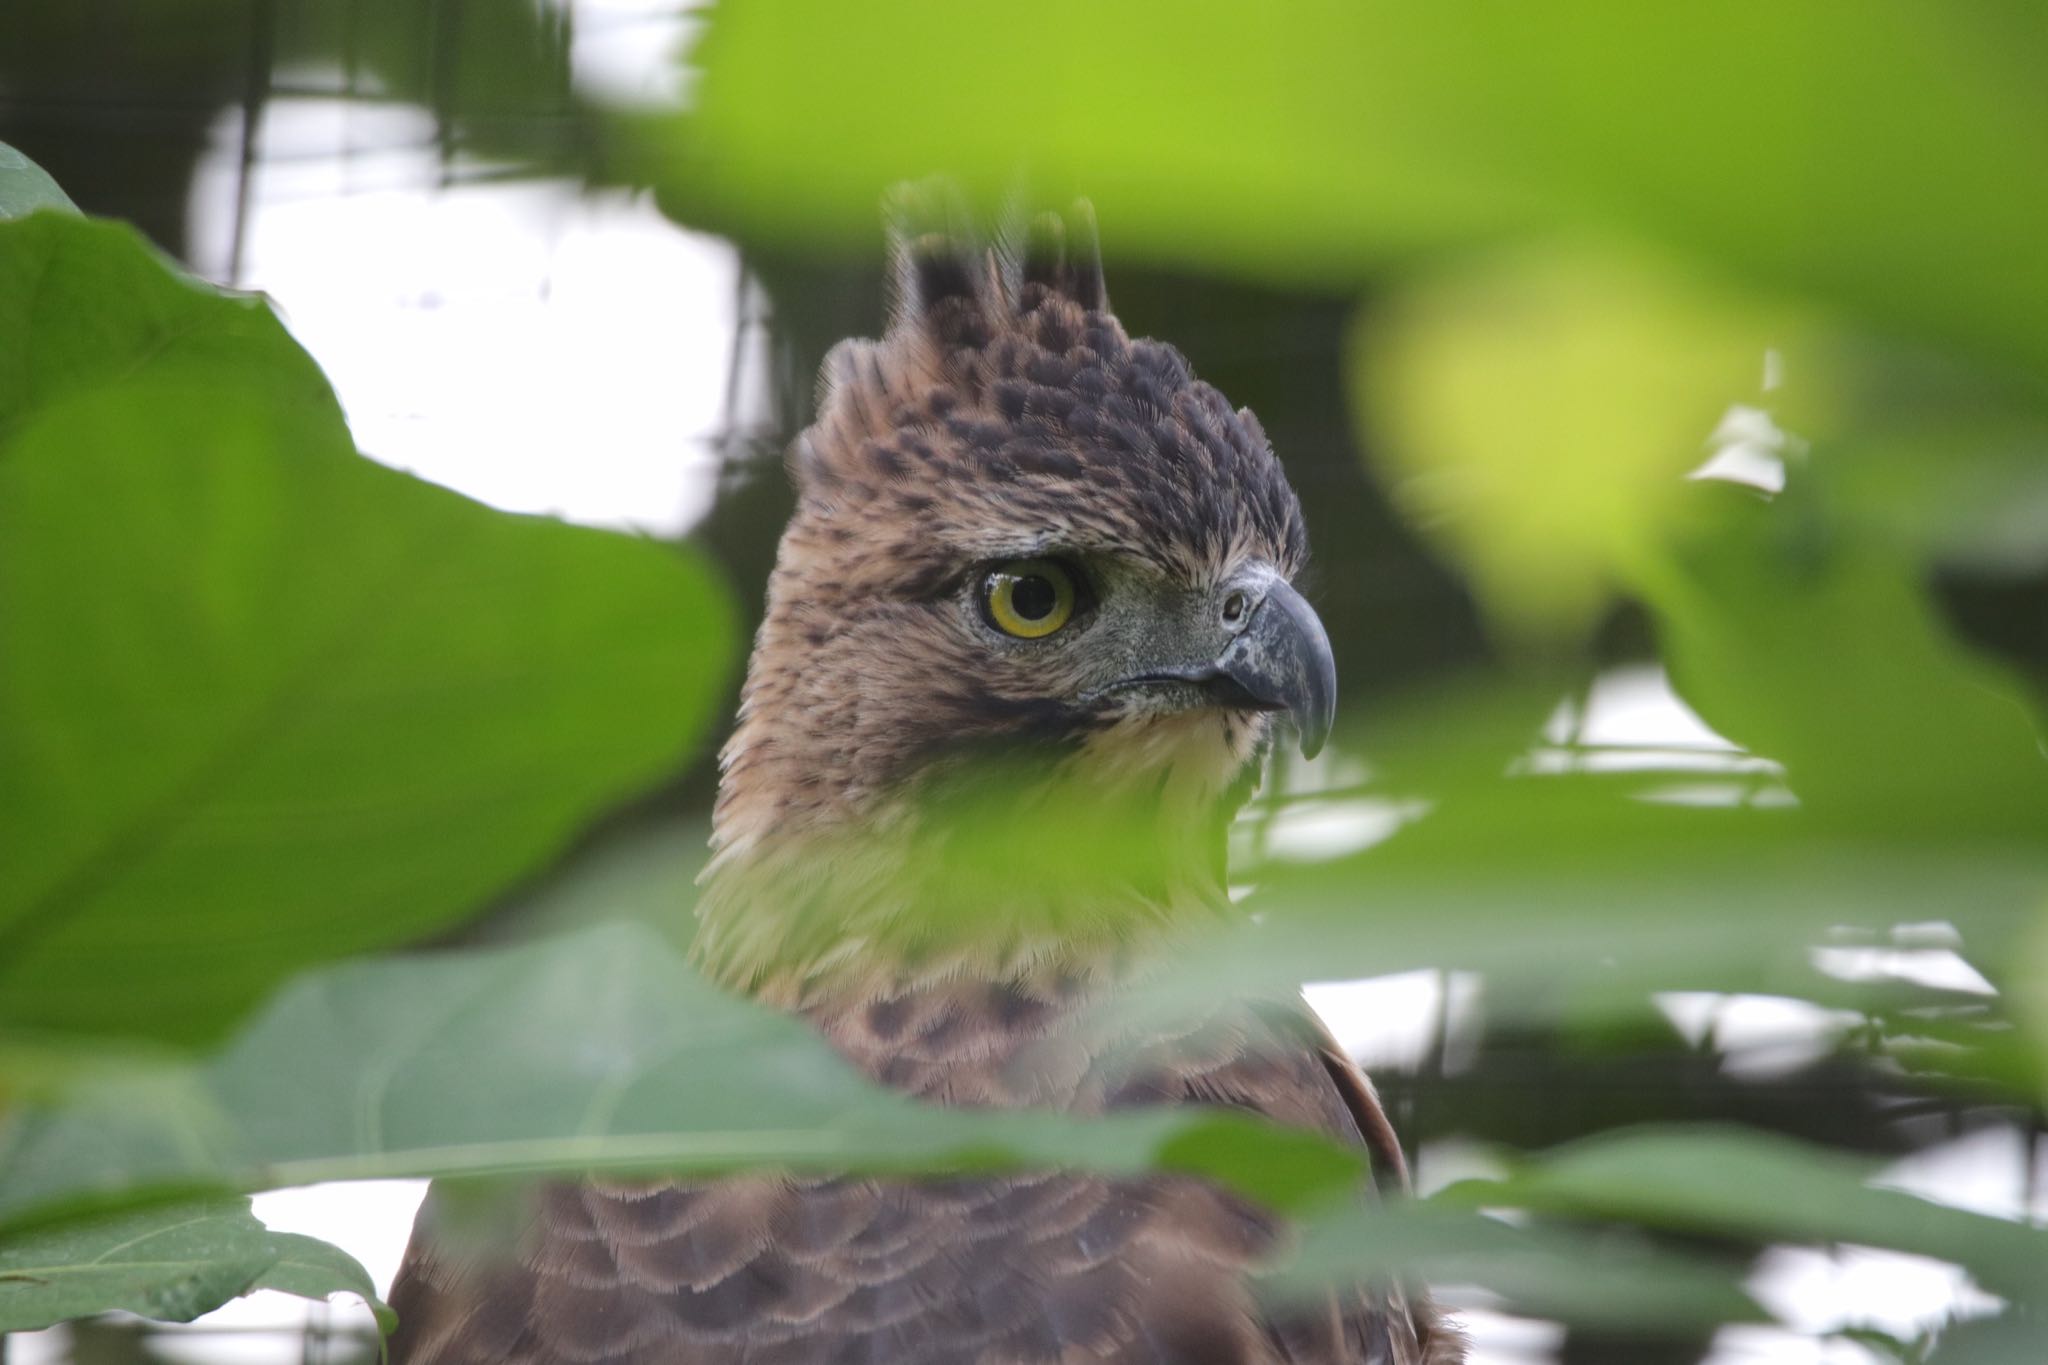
<point>1006,413</point>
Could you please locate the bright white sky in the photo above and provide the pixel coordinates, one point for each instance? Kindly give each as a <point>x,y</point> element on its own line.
<point>547,352</point>
<point>538,350</point>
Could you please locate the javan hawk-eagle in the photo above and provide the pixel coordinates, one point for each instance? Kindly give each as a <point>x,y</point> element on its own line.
<point>1018,531</point>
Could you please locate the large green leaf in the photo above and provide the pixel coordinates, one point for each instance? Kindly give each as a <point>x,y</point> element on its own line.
<point>1885,156</point>
<point>168,1261</point>
<point>596,1051</point>
<point>86,303</point>
<point>263,702</point>
<point>26,187</point>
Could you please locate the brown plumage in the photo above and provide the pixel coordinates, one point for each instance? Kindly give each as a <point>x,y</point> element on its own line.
<point>1026,634</point>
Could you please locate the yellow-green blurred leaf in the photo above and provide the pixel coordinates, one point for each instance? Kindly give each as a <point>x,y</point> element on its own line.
<point>1536,412</point>
<point>1883,156</point>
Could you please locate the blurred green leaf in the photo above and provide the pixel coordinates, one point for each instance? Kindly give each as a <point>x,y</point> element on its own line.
<point>1575,896</point>
<point>1935,459</point>
<point>1753,1185</point>
<point>26,187</point>
<point>85,303</point>
<point>1205,132</point>
<point>2009,1339</point>
<point>1539,409</point>
<point>1807,640</point>
<point>263,702</point>
<point>644,875</point>
<point>2030,991</point>
<point>600,1051</point>
<point>1884,158</point>
<point>1607,1278</point>
<point>167,1261</point>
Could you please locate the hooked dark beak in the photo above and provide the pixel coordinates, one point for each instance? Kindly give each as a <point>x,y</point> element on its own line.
<point>1281,661</point>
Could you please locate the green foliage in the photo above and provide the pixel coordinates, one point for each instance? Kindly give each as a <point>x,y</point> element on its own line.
<point>263,704</point>
<point>170,1261</point>
<point>90,308</point>
<point>1588,233</point>
<point>598,1051</point>
<point>1541,411</point>
<point>601,1051</point>
<point>247,677</point>
<point>1803,636</point>
<point>1747,1184</point>
<point>1885,162</point>
<point>1598,1277</point>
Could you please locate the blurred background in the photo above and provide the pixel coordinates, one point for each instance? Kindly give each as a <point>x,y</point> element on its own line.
<point>531,279</point>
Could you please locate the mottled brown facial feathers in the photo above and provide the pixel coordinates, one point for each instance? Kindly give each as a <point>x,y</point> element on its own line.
<point>1006,448</point>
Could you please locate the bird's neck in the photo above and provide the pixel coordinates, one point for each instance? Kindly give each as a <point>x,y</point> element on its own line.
<point>1016,874</point>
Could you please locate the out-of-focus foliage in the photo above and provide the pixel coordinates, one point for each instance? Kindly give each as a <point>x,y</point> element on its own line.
<point>1801,635</point>
<point>1730,1182</point>
<point>1597,248</point>
<point>170,1261</point>
<point>1885,161</point>
<point>601,1051</point>
<point>1603,247</point>
<point>1541,409</point>
<point>1581,1275</point>
<point>598,1051</point>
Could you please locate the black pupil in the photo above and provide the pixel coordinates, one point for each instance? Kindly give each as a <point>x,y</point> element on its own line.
<point>1032,597</point>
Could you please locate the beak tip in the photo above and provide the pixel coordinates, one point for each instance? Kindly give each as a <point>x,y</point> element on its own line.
<point>1314,720</point>
<point>1283,660</point>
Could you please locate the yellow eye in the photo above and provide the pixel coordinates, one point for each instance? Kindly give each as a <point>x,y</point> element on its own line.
<point>1029,598</point>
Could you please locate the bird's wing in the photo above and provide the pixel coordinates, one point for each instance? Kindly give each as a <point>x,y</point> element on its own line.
<point>1017,1270</point>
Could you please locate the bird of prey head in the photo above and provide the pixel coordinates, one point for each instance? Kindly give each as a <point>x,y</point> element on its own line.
<point>1037,586</point>
<point>1018,531</point>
